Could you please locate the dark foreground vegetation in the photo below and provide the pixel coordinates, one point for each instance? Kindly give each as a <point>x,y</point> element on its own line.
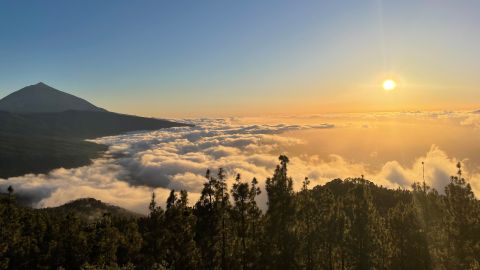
<point>350,224</point>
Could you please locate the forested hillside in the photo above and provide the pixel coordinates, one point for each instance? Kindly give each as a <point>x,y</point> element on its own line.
<point>344,224</point>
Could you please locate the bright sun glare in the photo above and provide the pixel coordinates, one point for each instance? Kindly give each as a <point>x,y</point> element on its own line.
<point>389,85</point>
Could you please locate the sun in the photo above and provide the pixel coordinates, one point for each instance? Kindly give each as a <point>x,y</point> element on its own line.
<point>389,85</point>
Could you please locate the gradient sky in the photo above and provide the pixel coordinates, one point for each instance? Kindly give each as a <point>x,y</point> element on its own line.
<point>220,58</point>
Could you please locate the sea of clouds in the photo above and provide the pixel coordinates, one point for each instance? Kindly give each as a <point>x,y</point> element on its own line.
<point>177,158</point>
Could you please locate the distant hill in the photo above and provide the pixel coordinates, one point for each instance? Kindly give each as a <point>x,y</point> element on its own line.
<point>91,209</point>
<point>42,128</point>
<point>43,98</point>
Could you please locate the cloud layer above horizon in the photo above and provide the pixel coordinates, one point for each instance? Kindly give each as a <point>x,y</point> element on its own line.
<point>138,163</point>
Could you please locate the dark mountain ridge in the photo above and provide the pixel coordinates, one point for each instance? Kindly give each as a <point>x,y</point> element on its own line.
<point>41,110</point>
<point>78,124</point>
<point>42,128</point>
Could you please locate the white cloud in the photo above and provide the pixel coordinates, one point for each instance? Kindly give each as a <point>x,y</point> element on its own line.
<point>138,163</point>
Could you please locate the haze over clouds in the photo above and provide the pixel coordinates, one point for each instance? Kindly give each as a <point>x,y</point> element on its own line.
<point>178,158</point>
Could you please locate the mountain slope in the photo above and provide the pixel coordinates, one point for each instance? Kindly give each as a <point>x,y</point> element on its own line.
<point>43,98</point>
<point>78,124</point>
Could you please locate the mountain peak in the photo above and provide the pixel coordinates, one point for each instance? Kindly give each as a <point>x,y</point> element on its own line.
<point>41,97</point>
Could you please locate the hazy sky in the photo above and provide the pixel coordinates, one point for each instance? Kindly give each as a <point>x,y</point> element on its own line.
<point>208,58</point>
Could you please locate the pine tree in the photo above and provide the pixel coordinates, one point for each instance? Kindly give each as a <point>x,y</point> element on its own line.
<point>461,219</point>
<point>223,205</point>
<point>430,211</point>
<point>105,242</point>
<point>315,210</point>
<point>73,243</point>
<point>246,219</point>
<point>366,229</point>
<point>240,193</point>
<point>181,250</point>
<point>130,243</point>
<point>154,235</point>
<point>280,242</point>
<point>410,248</point>
<point>212,212</point>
